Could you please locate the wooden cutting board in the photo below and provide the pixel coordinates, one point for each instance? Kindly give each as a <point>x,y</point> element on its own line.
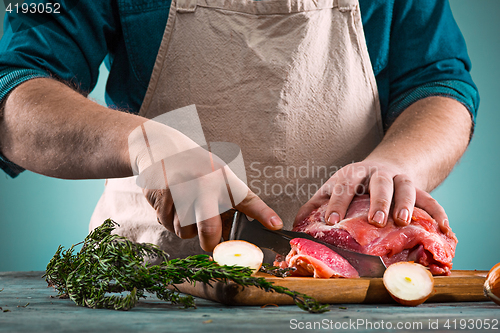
<point>460,286</point>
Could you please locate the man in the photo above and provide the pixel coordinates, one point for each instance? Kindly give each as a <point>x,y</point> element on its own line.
<point>293,83</point>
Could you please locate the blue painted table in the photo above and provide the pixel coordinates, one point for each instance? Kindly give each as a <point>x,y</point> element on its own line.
<point>27,306</point>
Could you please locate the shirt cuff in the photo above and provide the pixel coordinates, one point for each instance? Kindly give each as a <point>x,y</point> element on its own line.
<point>10,168</point>
<point>9,79</point>
<point>458,90</point>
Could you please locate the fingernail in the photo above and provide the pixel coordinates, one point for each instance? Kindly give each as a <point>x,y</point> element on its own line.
<point>276,221</point>
<point>404,214</point>
<point>446,225</point>
<point>333,218</point>
<point>378,218</point>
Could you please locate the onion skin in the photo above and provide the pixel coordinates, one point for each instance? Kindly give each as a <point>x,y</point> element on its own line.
<point>492,284</point>
<point>413,302</point>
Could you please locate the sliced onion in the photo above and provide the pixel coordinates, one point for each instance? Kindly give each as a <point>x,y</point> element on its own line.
<point>408,283</point>
<point>239,253</point>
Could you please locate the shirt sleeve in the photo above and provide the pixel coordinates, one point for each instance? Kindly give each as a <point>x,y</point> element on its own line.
<point>68,44</point>
<point>427,57</point>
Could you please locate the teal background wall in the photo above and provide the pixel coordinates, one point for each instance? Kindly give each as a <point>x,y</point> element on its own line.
<point>38,213</point>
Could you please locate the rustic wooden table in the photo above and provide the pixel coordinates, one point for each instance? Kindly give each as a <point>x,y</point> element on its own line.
<point>27,307</point>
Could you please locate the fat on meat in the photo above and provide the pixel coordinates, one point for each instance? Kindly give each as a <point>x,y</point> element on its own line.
<point>313,259</point>
<point>421,241</point>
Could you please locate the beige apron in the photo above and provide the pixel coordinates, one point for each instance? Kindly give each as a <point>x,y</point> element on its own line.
<point>288,81</point>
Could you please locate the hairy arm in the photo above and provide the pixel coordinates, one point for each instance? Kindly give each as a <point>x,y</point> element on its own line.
<point>417,153</point>
<point>427,140</point>
<point>50,129</point>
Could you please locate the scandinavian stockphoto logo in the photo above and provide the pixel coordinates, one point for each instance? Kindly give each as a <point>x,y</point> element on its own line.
<point>170,152</point>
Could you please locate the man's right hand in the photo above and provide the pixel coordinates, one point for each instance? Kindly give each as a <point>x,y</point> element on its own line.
<point>188,186</point>
<point>209,230</point>
<point>48,128</point>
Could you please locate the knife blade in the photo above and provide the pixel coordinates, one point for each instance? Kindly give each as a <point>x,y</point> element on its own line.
<point>278,241</point>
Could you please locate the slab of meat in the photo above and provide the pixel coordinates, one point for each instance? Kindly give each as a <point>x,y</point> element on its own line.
<point>421,241</point>
<point>313,259</point>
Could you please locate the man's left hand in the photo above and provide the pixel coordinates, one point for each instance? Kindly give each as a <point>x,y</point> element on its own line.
<point>387,186</point>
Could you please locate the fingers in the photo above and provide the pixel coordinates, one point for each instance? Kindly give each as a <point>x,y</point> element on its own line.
<point>210,232</point>
<point>342,188</point>
<point>188,231</point>
<point>341,196</point>
<point>254,207</point>
<point>162,202</point>
<point>445,228</point>
<point>381,192</point>
<point>404,200</point>
<point>318,199</point>
<point>431,206</point>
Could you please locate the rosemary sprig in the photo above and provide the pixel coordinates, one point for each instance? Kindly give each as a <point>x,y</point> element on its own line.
<point>276,271</point>
<point>112,272</point>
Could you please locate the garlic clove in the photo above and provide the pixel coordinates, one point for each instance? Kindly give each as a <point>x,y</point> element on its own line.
<point>492,284</point>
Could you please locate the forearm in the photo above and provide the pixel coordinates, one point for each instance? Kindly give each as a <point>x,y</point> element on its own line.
<point>426,140</point>
<point>50,129</point>
<point>418,151</point>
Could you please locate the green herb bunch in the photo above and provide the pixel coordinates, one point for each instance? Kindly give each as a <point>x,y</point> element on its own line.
<point>112,272</point>
<point>277,271</point>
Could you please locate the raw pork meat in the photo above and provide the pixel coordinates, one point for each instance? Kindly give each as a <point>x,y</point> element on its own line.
<point>314,259</point>
<point>421,241</point>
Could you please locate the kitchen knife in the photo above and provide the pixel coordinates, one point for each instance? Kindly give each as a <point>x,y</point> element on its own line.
<point>278,241</point>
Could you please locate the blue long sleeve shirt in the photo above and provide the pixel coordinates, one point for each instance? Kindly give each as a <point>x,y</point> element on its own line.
<point>415,47</point>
